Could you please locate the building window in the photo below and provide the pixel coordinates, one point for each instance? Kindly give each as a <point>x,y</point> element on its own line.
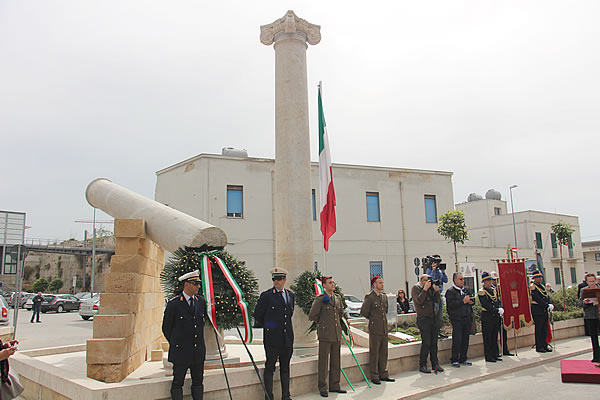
<point>573,275</point>
<point>584,257</point>
<point>570,246</point>
<point>314,205</point>
<point>554,245</point>
<point>538,240</point>
<point>235,201</point>
<point>430,209</point>
<point>10,265</point>
<point>497,211</point>
<point>597,256</point>
<point>373,207</point>
<point>557,275</point>
<point>375,269</point>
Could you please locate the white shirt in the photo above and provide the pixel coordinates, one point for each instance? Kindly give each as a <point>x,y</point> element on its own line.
<point>187,298</point>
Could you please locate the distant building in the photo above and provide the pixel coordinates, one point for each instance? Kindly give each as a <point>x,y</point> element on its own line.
<point>386,217</point>
<point>491,233</point>
<point>591,257</point>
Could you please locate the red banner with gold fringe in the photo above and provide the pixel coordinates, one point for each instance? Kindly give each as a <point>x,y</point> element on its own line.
<point>515,293</point>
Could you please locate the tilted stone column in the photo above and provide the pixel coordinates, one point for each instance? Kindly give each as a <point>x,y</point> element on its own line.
<point>292,186</point>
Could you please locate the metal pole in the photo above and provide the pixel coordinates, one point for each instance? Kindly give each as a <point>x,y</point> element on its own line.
<point>17,297</point>
<point>93,254</point>
<point>512,206</point>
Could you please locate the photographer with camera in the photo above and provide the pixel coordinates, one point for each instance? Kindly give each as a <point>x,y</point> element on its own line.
<point>437,271</point>
<point>460,310</point>
<point>427,299</point>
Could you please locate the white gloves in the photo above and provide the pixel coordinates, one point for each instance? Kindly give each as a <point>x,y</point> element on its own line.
<point>501,311</point>
<point>550,307</point>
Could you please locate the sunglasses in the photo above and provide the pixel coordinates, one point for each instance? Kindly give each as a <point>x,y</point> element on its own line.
<point>195,283</point>
<point>278,278</point>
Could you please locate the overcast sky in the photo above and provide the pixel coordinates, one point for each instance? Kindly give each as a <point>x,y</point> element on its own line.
<point>498,92</point>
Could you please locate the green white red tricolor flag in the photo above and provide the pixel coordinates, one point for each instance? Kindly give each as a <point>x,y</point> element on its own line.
<point>326,191</point>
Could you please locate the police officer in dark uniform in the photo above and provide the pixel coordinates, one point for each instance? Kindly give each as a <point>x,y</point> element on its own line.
<point>274,313</point>
<point>491,311</point>
<point>183,326</point>
<point>540,306</point>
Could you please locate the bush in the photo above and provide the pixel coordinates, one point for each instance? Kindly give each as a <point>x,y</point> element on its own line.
<point>40,285</point>
<point>56,284</point>
<point>562,315</point>
<point>572,300</point>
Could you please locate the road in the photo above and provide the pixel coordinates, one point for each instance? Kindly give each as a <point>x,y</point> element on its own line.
<point>54,330</point>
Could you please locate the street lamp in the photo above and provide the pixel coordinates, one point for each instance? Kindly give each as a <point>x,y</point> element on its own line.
<point>512,206</point>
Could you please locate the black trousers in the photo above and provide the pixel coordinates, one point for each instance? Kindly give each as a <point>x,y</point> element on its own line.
<point>592,326</point>
<point>489,327</point>
<point>429,328</point>
<point>197,373</point>
<point>541,330</point>
<point>461,330</point>
<point>505,349</point>
<point>284,355</point>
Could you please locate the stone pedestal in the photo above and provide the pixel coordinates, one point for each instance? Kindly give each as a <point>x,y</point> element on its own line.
<point>128,326</point>
<point>292,179</point>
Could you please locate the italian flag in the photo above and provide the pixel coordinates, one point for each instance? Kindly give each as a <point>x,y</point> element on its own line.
<point>327,194</point>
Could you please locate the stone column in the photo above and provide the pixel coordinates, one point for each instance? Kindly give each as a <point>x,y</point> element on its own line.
<point>292,186</point>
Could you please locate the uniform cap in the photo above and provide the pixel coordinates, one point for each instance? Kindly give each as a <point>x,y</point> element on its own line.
<point>190,276</point>
<point>536,274</point>
<point>278,272</point>
<point>373,279</point>
<point>485,276</point>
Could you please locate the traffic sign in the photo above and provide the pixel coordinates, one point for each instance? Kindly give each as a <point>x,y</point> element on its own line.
<point>417,271</point>
<point>417,261</point>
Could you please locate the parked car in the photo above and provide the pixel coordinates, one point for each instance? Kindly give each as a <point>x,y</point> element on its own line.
<point>3,312</point>
<point>23,299</point>
<point>353,305</point>
<point>59,303</point>
<point>83,295</point>
<point>29,303</point>
<point>90,307</point>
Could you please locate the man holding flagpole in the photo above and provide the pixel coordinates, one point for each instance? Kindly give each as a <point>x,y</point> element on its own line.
<point>326,191</point>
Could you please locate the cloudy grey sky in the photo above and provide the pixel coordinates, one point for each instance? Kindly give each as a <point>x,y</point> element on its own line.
<point>499,92</point>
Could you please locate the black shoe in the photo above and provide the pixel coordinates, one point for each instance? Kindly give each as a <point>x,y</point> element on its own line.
<point>548,350</point>
<point>388,379</point>
<point>376,381</point>
<point>499,359</point>
<point>438,368</point>
<point>39,322</point>
<point>338,391</point>
<point>490,360</point>
<point>508,353</point>
<point>324,394</point>
<point>424,370</point>
<point>442,336</point>
<point>541,350</point>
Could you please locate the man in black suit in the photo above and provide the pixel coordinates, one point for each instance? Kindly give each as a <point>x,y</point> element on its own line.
<point>183,326</point>
<point>460,311</point>
<point>274,313</point>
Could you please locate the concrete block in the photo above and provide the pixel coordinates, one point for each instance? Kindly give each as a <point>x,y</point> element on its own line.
<point>157,355</point>
<point>126,282</point>
<point>107,350</point>
<point>107,372</point>
<point>120,303</point>
<point>130,228</point>
<point>114,326</point>
<point>136,263</point>
<point>132,246</point>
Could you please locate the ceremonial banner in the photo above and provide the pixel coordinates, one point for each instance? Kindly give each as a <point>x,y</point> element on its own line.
<point>515,293</point>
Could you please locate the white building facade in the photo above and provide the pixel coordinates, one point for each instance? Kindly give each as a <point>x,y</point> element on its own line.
<point>491,233</point>
<point>386,217</point>
<point>591,257</point>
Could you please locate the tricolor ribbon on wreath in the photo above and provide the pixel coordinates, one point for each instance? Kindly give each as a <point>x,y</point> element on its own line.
<point>209,294</point>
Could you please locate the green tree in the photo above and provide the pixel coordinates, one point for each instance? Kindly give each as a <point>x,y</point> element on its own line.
<point>40,285</point>
<point>453,228</point>
<point>563,232</point>
<point>55,285</point>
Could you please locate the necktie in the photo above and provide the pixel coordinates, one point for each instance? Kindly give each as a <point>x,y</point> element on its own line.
<point>283,295</point>
<point>192,303</point>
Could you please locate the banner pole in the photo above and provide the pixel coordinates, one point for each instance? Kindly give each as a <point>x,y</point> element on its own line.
<point>357,363</point>
<point>347,380</point>
<point>515,336</point>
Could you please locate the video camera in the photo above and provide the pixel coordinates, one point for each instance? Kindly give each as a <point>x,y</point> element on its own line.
<point>428,261</point>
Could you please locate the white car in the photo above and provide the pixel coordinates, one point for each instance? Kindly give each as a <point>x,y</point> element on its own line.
<point>3,311</point>
<point>353,305</point>
<point>90,307</point>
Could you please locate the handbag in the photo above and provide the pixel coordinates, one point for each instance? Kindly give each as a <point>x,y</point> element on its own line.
<point>10,389</point>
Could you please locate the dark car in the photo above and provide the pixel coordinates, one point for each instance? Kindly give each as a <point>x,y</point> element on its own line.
<point>23,299</point>
<point>59,303</point>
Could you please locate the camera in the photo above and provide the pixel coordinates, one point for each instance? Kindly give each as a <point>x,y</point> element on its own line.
<point>428,261</point>
<point>435,282</point>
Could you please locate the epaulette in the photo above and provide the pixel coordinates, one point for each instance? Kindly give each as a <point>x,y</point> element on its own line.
<point>481,292</point>
<point>173,298</point>
<point>532,286</point>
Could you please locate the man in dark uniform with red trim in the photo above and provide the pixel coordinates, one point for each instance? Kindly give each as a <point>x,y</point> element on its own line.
<point>274,313</point>
<point>183,326</point>
<point>540,306</point>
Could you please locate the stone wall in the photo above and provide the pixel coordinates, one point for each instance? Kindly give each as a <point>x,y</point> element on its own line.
<point>128,326</point>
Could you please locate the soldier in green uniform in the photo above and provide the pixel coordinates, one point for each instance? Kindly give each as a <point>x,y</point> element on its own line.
<point>491,311</point>
<point>540,306</point>
<point>374,308</point>
<point>326,311</point>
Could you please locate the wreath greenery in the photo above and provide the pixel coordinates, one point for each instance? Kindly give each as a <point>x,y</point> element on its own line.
<point>304,289</point>
<point>227,310</point>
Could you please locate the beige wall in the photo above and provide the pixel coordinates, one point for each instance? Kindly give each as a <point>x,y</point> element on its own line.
<point>590,249</point>
<point>198,186</point>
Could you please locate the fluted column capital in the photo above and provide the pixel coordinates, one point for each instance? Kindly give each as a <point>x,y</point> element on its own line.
<point>290,26</point>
